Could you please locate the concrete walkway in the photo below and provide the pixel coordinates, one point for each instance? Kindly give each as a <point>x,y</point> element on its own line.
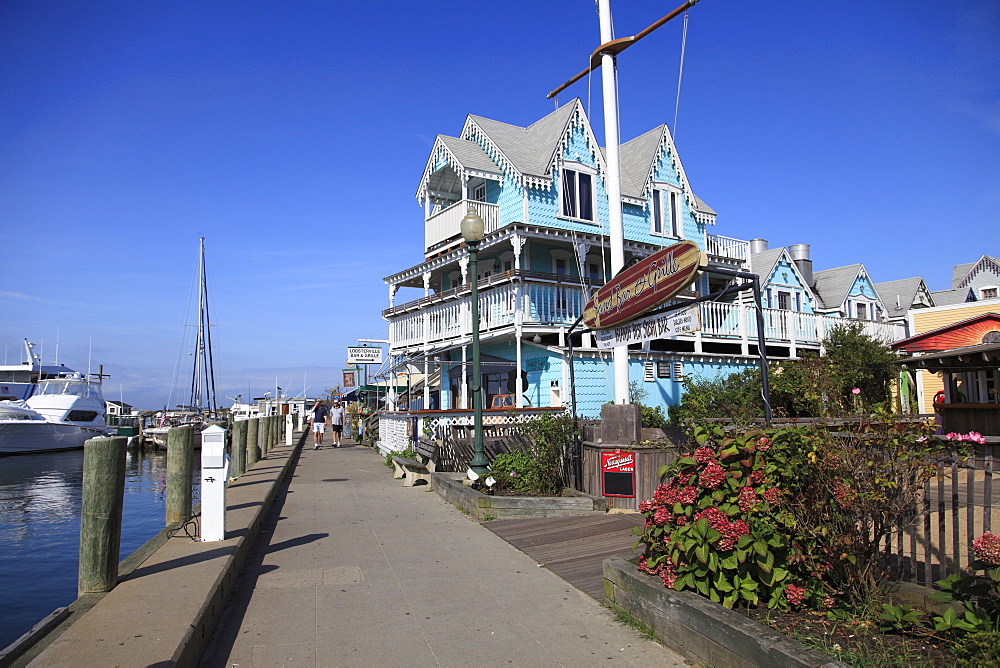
<point>354,569</point>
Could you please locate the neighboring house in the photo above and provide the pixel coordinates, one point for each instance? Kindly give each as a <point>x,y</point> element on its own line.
<point>540,190</point>
<point>944,322</point>
<point>958,367</point>
<point>117,408</point>
<point>953,297</point>
<point>898,297</point>
<point>847,292</point>
<point>982,278</point>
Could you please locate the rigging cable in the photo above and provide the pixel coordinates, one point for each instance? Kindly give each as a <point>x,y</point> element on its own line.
<point>680,75</point>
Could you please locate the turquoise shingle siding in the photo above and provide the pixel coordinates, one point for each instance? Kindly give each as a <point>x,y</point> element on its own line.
<point>593,386</point>
<point>862,287</point>
<point>510,197</point>
<point>543,205</point>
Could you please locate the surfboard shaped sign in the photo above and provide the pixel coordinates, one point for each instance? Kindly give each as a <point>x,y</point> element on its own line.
<point>644,286</point>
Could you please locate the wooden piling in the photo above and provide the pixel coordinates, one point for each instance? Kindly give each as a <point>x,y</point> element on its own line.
<point>180,467</point>
<point>239,433</point>
<point>101,513</point>
<point>253,450</point>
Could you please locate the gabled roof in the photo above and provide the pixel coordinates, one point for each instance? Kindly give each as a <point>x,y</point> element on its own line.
<point>963,273</point>
<point>530,154</point>
<point>951,297</point>
<point>469,154</point>
<point>969,332</point>
<point>763,263</point>
<point>898,296</point>
<point>530,151</point>
<point>831,286</point>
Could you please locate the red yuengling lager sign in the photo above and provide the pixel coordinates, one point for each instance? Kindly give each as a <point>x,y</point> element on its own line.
<point>644,286</point>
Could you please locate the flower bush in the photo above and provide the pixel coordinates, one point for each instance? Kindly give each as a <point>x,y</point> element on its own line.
<point>711,527</point>
<point>791,517</point>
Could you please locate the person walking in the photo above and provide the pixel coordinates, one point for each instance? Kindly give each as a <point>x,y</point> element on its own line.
<point>336,422</point>
<point>320,413</point>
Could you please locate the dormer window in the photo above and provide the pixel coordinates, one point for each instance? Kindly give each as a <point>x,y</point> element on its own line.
<point>666,213</point>
<point>577,197</point>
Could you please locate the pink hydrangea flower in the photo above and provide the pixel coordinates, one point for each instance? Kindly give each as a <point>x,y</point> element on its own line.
<point>987,548</point>
<point>795,594</point>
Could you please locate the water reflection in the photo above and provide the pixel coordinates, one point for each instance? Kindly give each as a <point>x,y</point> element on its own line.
<point>40,498</point>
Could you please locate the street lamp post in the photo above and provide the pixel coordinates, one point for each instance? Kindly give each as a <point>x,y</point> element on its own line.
<point>473,229</point>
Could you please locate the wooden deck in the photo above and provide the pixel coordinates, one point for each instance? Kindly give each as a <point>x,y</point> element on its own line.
<point>572,547</point>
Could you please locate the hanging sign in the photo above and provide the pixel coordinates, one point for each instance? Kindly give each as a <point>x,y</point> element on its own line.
<point>350,378</point>
<point>644,286</point>
<point>618,473</point>
<point>364,355</point>
<point>665,325</point>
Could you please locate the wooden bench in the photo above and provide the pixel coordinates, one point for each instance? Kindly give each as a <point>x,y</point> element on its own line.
<point>420,468</point>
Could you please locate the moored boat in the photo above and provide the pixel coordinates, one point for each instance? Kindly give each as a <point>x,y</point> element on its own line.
<point>61,415</point>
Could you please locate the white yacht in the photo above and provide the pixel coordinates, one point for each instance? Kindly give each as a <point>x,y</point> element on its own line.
<point>18,381</point>
<point>60,415</point>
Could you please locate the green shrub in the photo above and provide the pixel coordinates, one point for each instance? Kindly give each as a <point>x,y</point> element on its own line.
<point>653,417</point>
<point>790,516</point>
<point>978,649</point>
<point>538,471</point>
<point>711,528</point>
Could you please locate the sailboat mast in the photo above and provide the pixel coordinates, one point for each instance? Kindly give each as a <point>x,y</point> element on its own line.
<point>203,374</point>
<point>208,362</point>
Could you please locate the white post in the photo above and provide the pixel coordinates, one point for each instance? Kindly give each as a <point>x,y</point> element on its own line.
<point>613,185</point>
<point>288,429</point>
<point>214,476</point>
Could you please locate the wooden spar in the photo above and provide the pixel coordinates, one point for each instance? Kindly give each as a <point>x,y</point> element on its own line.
<point>616,46</point>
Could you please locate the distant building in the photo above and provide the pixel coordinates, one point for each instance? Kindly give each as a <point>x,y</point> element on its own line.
<point>118,408</point>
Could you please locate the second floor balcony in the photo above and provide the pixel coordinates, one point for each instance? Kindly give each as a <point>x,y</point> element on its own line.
<point>513,298</point>
<point>443,229</point>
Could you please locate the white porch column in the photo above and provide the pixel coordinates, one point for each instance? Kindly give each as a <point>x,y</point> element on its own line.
<point>518,243</point>
<point>427,335</point>
<point>465,381</point>
<point>518,401</point>
<point>581,257</point>
<point>393,289</point>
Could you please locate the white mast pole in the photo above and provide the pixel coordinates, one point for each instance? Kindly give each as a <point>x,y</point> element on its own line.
<point>613,186</point>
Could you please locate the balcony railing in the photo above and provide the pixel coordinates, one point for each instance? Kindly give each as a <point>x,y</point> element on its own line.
<point>557,304</point>
<point>727,247</point>
<point>447,223</point>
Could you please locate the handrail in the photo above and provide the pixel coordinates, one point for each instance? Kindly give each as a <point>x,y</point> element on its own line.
<point>493,279</point>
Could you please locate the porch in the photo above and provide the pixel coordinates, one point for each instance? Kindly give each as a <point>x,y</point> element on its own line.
<point>519,297</point>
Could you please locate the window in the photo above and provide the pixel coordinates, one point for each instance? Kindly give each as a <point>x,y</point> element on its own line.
<point>862,312</point>
<point>577,195</point>
<point>666,221</point>
<point>785,301</point>
<point>663,369</point>
<point>989,293</point>
<point>479,193</point>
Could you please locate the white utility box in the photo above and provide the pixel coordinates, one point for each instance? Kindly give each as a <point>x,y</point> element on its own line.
<point>214,476</point>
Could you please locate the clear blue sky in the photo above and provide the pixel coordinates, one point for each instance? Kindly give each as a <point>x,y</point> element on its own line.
<point>293,134</point>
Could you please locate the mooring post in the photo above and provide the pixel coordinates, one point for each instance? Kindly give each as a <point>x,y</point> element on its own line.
<point>239,448</point>
<point>253,450</point>
<point>265,435</point>
<point>101,513</point>
<point>180,467</point>
<point>295,421</point>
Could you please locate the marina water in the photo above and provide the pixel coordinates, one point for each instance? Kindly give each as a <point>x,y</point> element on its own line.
<point>40,498</point>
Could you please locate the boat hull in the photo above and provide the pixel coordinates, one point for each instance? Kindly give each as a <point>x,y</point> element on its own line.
<point>25,437</point>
